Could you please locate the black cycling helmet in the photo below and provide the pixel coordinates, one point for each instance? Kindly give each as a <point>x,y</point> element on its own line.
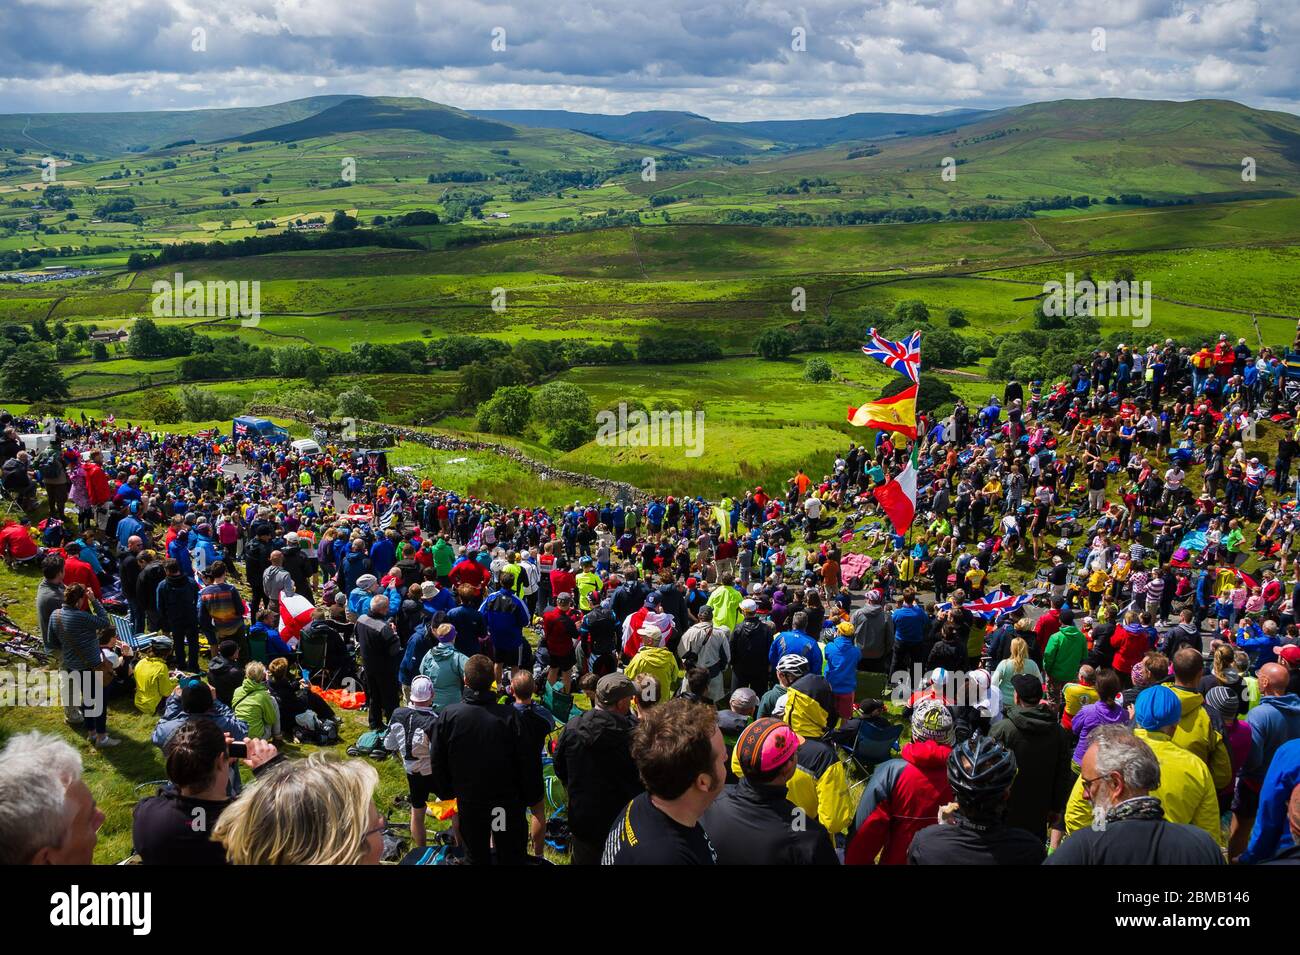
<point>980,770</point>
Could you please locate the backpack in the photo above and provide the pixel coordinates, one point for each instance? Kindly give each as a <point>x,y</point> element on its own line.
<point>600,631</point>
<point>412,719</point>
<point>370,743</point>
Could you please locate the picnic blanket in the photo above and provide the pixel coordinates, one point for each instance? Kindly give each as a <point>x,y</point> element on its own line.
<point>854,565</point>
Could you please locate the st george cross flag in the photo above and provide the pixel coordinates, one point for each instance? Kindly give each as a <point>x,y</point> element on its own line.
<point>295,613</point>
<point>904,357</point>
<point>895,413</point>
<point>898,497</point>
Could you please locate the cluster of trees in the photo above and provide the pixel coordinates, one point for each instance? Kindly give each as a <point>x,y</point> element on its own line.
<point>663,350</point>
<point>561,411</point>
<point>267,244</point>
<point>458,175</point>
<point>976,213</point>
<point>803,185</point>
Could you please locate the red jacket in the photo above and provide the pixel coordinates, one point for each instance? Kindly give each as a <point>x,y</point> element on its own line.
<point>16,542</point>
<point>77,571</point>
<point>1130,647</point>
<point>902,797</point>
<point>1047,625</point>
<point>561,632</point>
<point>96,484</point>
<point>470,572</point>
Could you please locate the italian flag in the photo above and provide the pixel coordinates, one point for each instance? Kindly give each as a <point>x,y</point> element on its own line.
<point>898,497</point>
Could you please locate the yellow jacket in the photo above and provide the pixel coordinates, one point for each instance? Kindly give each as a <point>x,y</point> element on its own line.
<point>1197,735</point>
<point>819,785</point>
<point>1186,790</point>
<point>660,663</point>
<point>153,683</point>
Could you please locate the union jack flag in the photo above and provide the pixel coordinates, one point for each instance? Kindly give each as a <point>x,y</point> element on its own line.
<point>475,539</point>
<point>992,606</point>
<point>904,357</point>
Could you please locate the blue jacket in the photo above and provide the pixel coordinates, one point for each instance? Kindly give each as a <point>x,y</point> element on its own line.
<point>1272,832</point>
<point>1275,721</point>
<point>506,622</point>
<point>842,656</point>
<point>420,643</point>
<point>792,641</point>
<point>179,549</point>
<point>383,554</point>
<point>174,718</point>
<point>910,624</point>
<point>127,527</point>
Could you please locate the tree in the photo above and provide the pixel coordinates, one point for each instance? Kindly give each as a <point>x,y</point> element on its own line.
<point>941,348</point>
<point>774,344</point>
<point>912,311</point>
<point>99,351</point>
<point>816,369</point>
<point>1027,368</point>
<point>956,318</point>
<point>162,407</point>
<point>933,392</point>
<point>342,222</point>
<point>200,404</point>
<point>30,373</point>
<point>355,403</point>
<point>507,411</point>
<point>560,401</point>
<point>571,434</point>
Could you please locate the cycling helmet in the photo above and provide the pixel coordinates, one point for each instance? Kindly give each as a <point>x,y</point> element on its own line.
<point>792,664</point>
<point>980,770</point>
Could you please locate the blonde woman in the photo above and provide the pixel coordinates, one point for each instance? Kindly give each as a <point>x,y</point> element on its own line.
<point>1013,666</point>
<point>313,811</point>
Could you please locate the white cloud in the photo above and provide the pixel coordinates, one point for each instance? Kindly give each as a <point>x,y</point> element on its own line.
<point>730,59</point>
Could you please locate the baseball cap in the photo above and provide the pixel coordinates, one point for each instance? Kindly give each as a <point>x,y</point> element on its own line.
<point>931,720</point>
<point>748,606</point>
<point>1028,688</point>
<point>421,690</point>
<point>613,688</point>
<point>1289,653</point>
<point>1156,707</point>
<point>745,698</point>
<point>765,746</point>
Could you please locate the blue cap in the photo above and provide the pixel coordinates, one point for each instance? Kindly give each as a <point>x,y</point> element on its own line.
<point>1157,707</point>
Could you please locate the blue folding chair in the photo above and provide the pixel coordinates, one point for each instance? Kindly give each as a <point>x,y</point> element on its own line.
<point>126,632</point>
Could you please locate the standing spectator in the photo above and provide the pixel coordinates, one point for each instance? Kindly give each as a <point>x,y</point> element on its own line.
<point>480,759</point>
<point>411,734</point>
<point>1043,750</point>
<point>77,625</point>
<point>177,600</point>
<point>594,762</point>
<point>381,654</point>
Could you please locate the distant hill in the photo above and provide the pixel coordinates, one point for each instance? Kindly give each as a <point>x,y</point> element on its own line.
<point>692,133</point>
<point>111,134</point>
<point>380,112</point>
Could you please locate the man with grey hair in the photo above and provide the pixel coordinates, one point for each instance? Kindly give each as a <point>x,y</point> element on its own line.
<point>1118,774</point>
<point>381,654</point>
<point>276,580</point>
<point>47,813</point>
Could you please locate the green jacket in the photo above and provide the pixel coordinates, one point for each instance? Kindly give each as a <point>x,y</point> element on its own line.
<point>443,556</point>
<point>1065,653</point>
<point>252,703</point>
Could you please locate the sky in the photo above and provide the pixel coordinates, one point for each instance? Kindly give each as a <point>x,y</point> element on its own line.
<point>726,59</point>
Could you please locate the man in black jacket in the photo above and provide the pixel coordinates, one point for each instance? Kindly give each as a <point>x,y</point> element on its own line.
<point>753,823</point>
<point>381,654</point>
<point>480,758</point>
<point>594,762</point>
<point>751,642</point>
<point>226,672</point>
<point>1119,772</point>
<point>257,557</point>
<point>178,598</point>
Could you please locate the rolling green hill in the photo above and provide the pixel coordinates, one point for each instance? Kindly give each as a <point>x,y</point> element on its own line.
<point>692,133</point>
<point>111,134</point>
<point>381,112</point>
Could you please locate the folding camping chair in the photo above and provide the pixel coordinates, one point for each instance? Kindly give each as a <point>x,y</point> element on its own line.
<point>873,745</point>
<point>126,632</point>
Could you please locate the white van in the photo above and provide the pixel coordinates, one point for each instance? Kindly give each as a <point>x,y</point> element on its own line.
<point>306,447</point>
